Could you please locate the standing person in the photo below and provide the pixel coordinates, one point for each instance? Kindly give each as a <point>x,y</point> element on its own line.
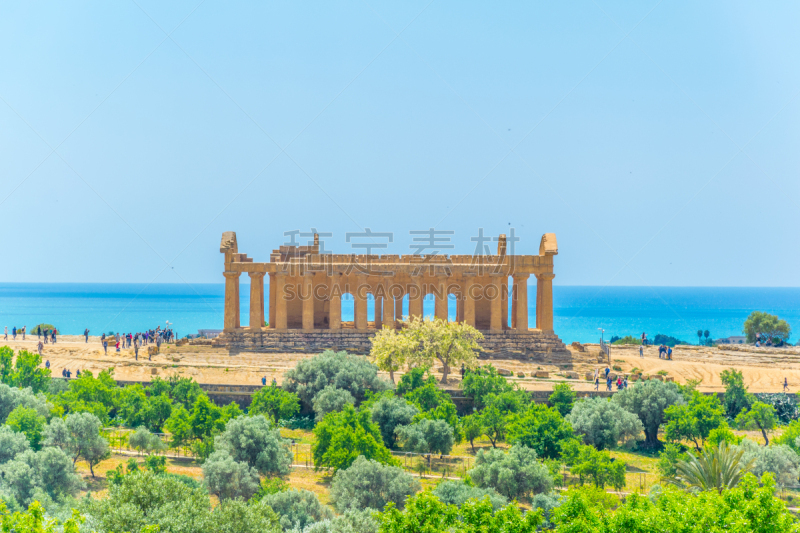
<point>136,348</point>
<point>158,342</point>
<point>641,351</point>
<point>625,383</point>
<point>5,333</point>
<point>47,364</point>
<point>263,381</point>
<point>86,335</point>
<point>39,332</point>
<point>23,332</point>
<point>55,332</point>
<point>597,382</point>
<point>785,384</point>
<point>116,339</point>
<point>463,370</point>
<point>14,333</point>
<point>105,343</point>
<point>117,345</point>
<point>669,353</point>
<point>40,346</point>
<point>644,339</point>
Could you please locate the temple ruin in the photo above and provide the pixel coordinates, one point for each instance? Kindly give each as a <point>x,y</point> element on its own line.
<point>306,289</point>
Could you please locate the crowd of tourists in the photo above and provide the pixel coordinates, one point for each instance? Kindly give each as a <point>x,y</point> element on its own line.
<point>136,340</point>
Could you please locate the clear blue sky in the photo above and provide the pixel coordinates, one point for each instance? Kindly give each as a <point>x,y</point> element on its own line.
<point>658,140</point>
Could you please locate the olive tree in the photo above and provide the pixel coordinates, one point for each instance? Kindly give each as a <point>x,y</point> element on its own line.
<point>352,373</point>
<point>11,444</point>
<point>253,440</point>
<point>648,401</point>
<point>31,475</point>
<point>144,441</point>
<point>390,412</point>
<point>297,508</point>
<point>13,397</point>
<point>427,436</point>
<point>227,478</point>
<point>515,474</point>
<point>760,416</point>
<point>350,521</point>
<point>780,460</point>
<point>370,484</point>
<point>458,492</point>
<point>603,423</point>
<point>331,399</point>
<point>84,440</point>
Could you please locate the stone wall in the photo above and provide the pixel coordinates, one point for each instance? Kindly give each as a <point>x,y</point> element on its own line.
<point>535,345</point>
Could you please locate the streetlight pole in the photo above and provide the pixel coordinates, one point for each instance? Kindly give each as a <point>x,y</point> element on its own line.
<point>604,347</point>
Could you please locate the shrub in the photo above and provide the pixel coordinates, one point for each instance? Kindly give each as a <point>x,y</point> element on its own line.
<point>228,478</point>
<point>780,460</point>
<point>435,404</point>
<point>648,401</point>
<point>297,508</point>
<point>482,381</point>
<point>274,403</point>
<point>256,442</point>
<point>349,522</point>
<point>413,379</point>
<point>736,398</point>
<point>457,493</point>
<point>627,339</point>
<point>515,474</point>
<point>331,399</point>
<point>344,371</point>
<point>390,412</point>
<point>369,484</point>
<point>723,433</point>
<point>541,428</point>
<point>341,437</point>
<point>11,444</point>
<point>33,475</point>
<point>785,405</point>
<point>603,423</point>
<point>13,397</point>
<point>598,466</point>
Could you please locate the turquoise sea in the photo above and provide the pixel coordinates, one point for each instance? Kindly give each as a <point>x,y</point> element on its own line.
<point>579,311</point>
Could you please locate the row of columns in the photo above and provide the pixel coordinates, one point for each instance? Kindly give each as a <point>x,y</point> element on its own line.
<point>391,308</point>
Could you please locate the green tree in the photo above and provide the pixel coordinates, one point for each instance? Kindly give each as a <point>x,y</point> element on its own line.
<point>761,416</point>
<point>331,399</point>
<point>179,426</point>
<point>427,436</point>
<point>6,365</point>
<point>297,508</point>
<point>229,479</point>
<point>342,436</point>
<point>472,427</point>
<point>480,382</point>
<point>769,326</point>
<point>389,412</point>
<point>715,469</point>
<point>11,444</point>
<point>371,485</point>
<point>411,380</point>
<point>699,336</point>
<point>391,349</point>
<point>648,401</point>
<point>352,373</point>
<point>206,417</point>
<point>451,343</point>
<point>86,442</point>
<point>516,474</point>
<point>736,396</point>
<point>603,423</point>
<point>256,442</point>
<point>563,398</point>
<point>541,428</point>
<point>13,397</point>
<point>28,422</point>
<point>458,492</point>
<point>695,420</point>
<point>144,441</point>
<point>668,460</point>
<point>275,403</point>
<point>27,372</point>
<point>598,466</point>
<point>435,404</point>
<point>89,394</point>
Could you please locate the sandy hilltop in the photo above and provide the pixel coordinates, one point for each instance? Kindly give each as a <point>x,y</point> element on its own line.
<point>764,368</point>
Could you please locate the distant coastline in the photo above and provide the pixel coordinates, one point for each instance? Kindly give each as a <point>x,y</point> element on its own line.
<point>579,310</point>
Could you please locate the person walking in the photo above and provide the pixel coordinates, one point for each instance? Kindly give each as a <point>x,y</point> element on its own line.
<point>39,332</point>
<point>40,346</point>
<point>86,335</point>
<point>597,383</point>
<point>785,384</point>
<point>55,332</point>
<point>105,343</point>
<point>263,381</point>
<point>14,333</point>
<point>47,364</point>
<point>641,351</point>
<point>23,332</point>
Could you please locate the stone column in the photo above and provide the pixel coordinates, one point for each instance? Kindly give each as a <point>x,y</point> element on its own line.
<point>281,314</point>
<point>496,303</point>
<point>521,311</point>
<point>440,309</point>
<point>256,300</point>
<point>335,316</point>
<point>378,320</point>
<point>308,302</point>
<point>415,303</point>
<point>469,299</point>
<point>514,305</point>
<point>360,303</point>
<point>388,309</point>
<point>504,300</point>
<point>272,300</point>
<point>546,281</point>
<point>231,300</point>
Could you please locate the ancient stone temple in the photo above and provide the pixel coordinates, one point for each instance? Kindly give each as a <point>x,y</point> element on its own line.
<point>306,290</point>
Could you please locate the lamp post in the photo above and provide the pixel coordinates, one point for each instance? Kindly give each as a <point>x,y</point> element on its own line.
<point>604,347</point>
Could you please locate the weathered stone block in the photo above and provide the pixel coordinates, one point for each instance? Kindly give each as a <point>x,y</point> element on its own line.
<point>505,372</point>
<point>542,374</point>
<point>571,374</point>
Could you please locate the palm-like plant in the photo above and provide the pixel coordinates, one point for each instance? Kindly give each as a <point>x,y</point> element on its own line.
<point>716,468</point>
